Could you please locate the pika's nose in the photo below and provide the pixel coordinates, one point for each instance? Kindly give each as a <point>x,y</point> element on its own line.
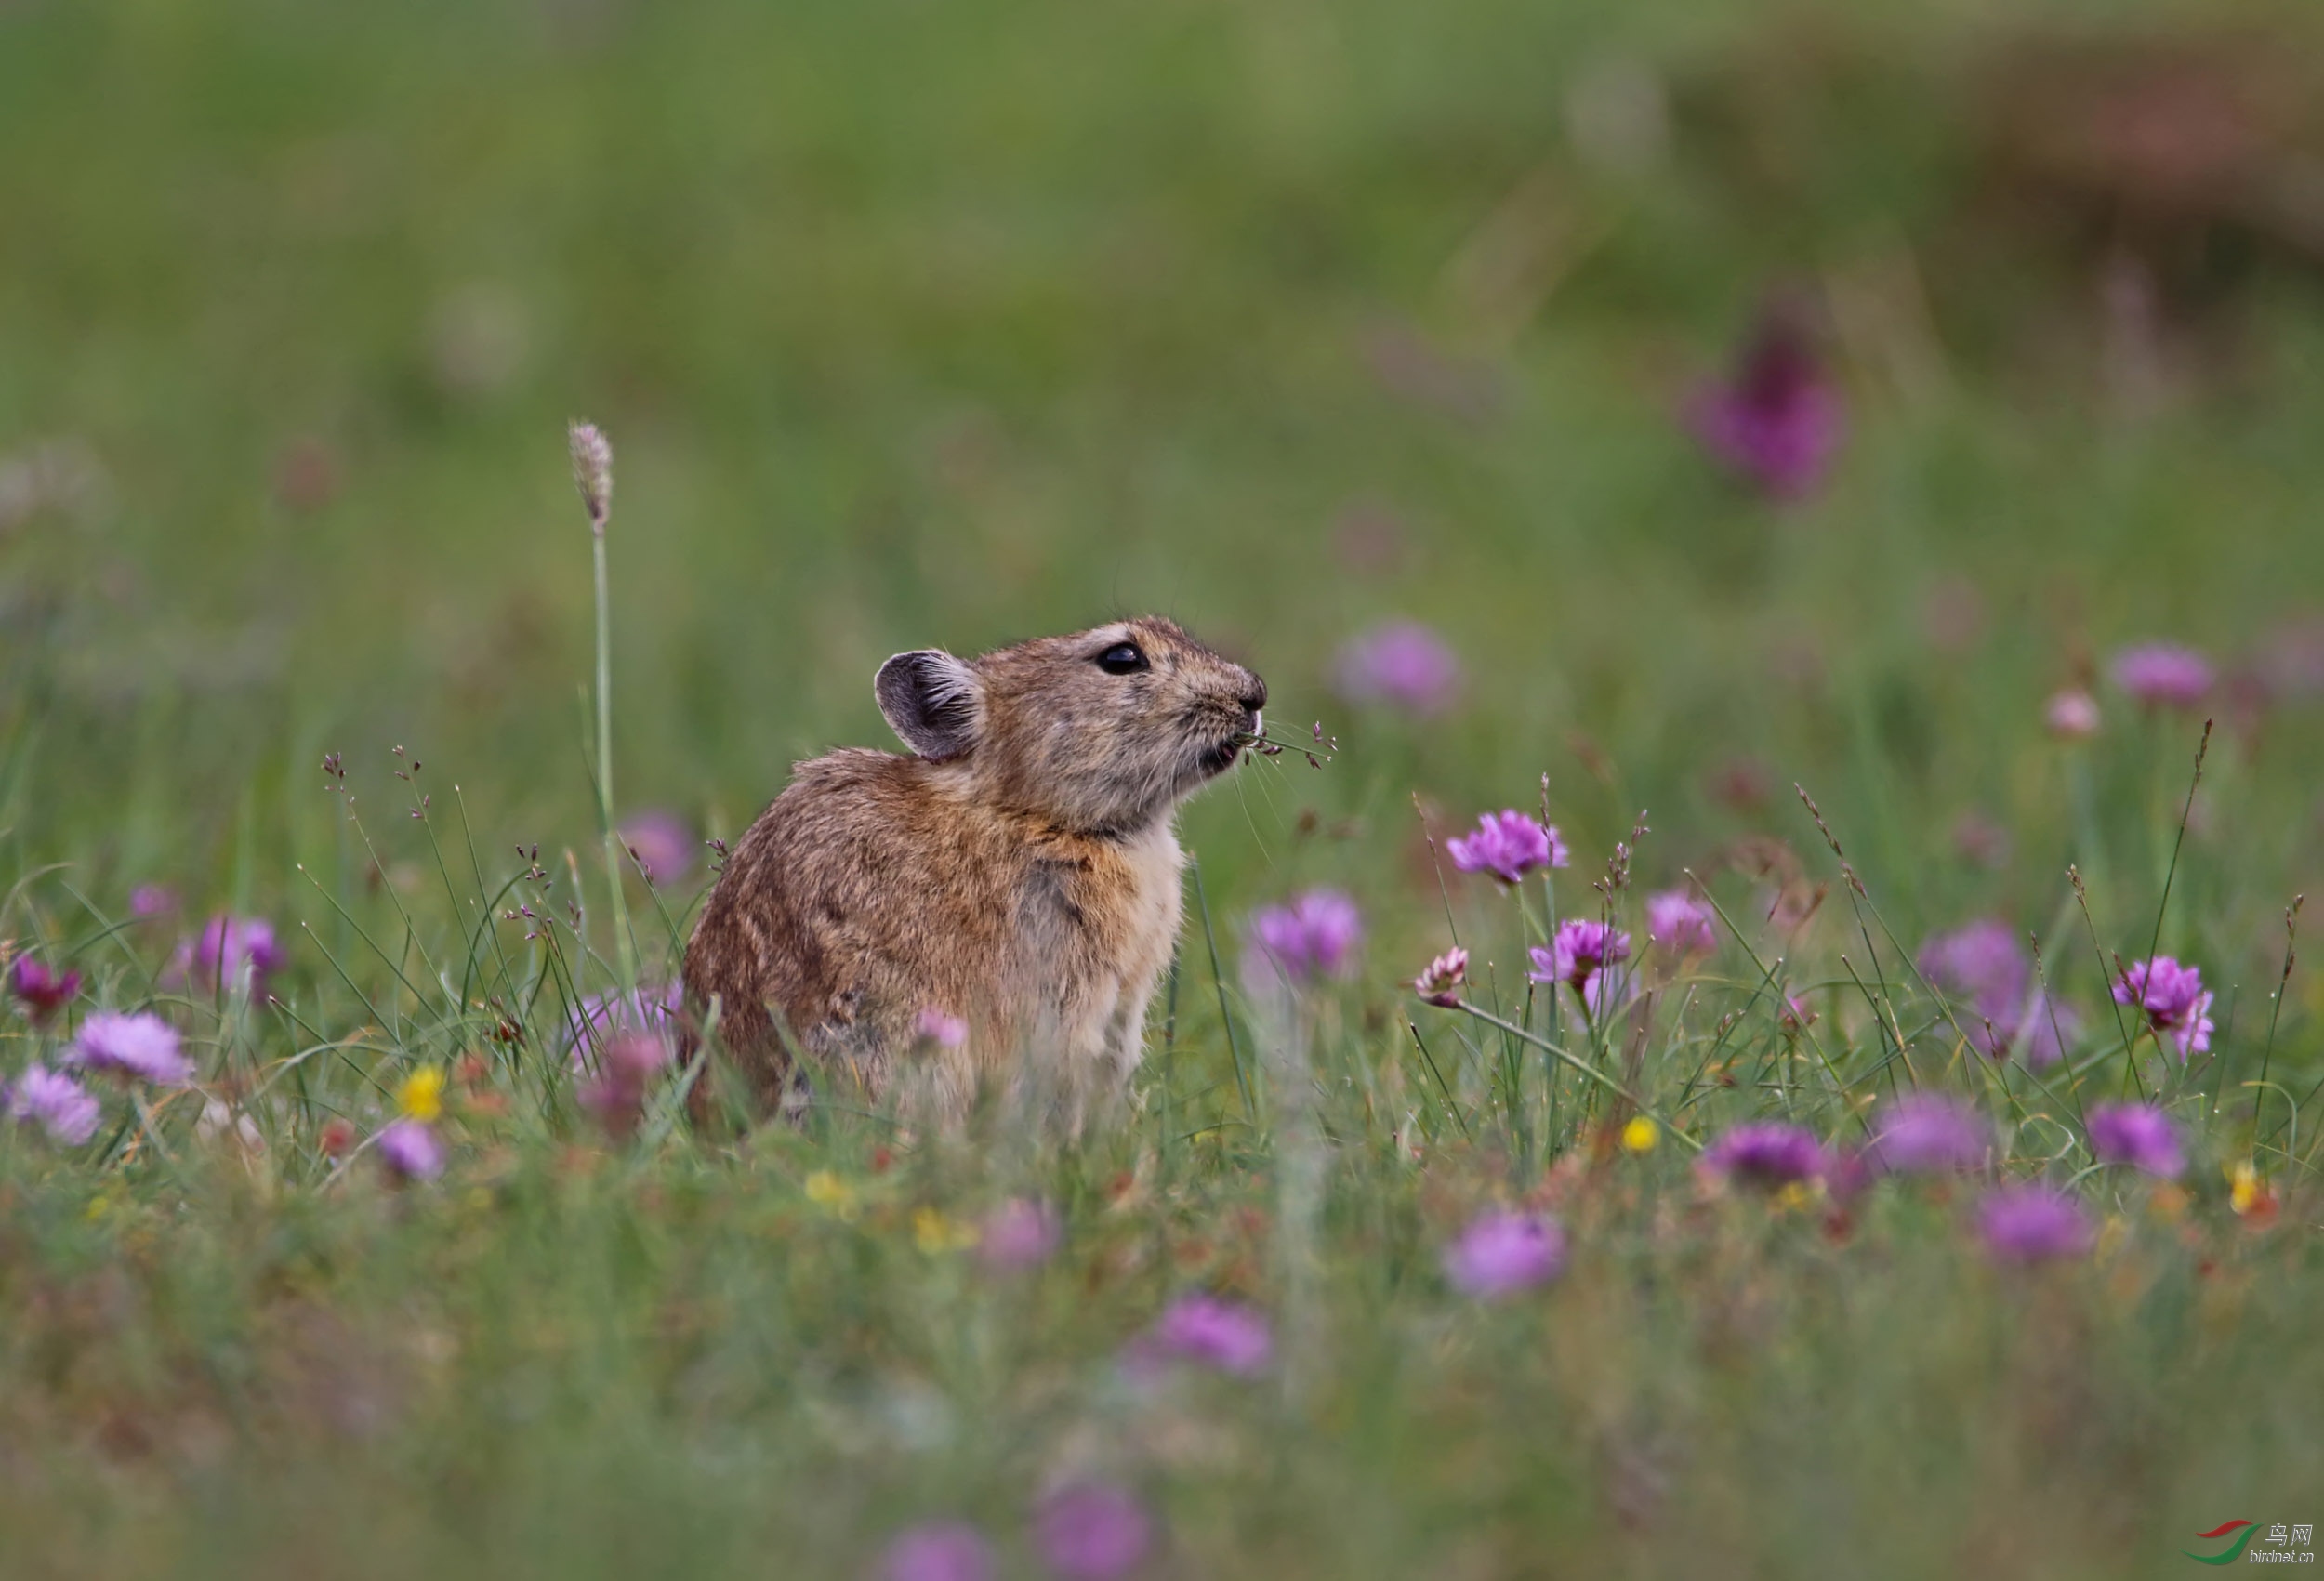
<point>1255,694</point>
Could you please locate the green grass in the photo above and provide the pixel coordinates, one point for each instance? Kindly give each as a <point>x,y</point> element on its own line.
<point>914,326</point>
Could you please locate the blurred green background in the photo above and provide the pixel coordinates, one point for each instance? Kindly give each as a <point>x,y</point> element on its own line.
<point>915,325</point>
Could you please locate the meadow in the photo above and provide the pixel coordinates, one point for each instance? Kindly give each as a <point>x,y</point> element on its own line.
<point>1849,470</point>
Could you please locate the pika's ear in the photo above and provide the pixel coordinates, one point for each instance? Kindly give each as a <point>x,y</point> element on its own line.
<point>932,701</point>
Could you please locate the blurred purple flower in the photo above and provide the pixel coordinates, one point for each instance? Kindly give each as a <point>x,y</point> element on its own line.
<point>600,1018</point>
<point>242,947</point>
<point>616,1093</point>
<point>148,900</point>
<point>1507,845</point>
<point>2139,1134</point>
<point>2044,1033</point>
<point>56,1103</point>
<point>141,1044</point>
<point>1983,963</point>
<point>1765,1152</point>
<point>1402,664</point>
<point>1927,1133</point>
<point>2032,1223</point>
<point>2172,999</point>
<point>1313,937</point>
<point>1440,985</point>
<point>410,1149</point>
<point>40,991</point>
<point>1501,1253</point>
<point>939,1550</point>
<point>1020,1234</point>
<point>2164,674</point>
<point>1092,1531</point>
<point>2072,715</point>
<point>1680,923</point>
<point>662,843</point>
<point>1777,420</point>
<point>1229,1336</point>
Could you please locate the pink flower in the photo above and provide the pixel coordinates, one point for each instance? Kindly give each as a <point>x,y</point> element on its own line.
<point>1092,1531</point>
<point>2173,998</point>
<point>1312,938</point>
<point>410,1149</point>
<point>1680,923</point>
<point>141,1044</point>
<point>939,1550</point>
<point>148,900</point>
<point>56,1103</point>
<point>2072,715</point>
<point>1777,421</point>
<point>1020,1234</point>
<point>944,1031</point>
<point>2164,674</point>
<point>1440,985</point>
<point>1501,1253</point>
<point>1403,665</point>
<point>1507,845</point>
<point>652,1011</point>
<point>2033,1224</point>
<point>2139,1134</point>
<point>625,1074</point>
<point>1217,1333</point>
<point>40,991</point>
<point>1765,1152</point>
<point>1982,962</point>
<point>662,843</point>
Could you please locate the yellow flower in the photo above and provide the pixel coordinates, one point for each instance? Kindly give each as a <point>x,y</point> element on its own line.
<point>421,1096</point>
<point>2245,1187</point>
<point>1639,1136</point>
<point>933,1232</point>
<point>826,1189</point>
<point>1795,1196</point>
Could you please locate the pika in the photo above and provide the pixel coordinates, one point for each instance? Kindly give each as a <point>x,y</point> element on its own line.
<point>1015,874</point>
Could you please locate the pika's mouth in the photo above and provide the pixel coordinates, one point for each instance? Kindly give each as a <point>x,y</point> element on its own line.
<point>1217,760</point>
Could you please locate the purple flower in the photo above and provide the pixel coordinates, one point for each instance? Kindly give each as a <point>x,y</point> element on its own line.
<point>1765,1152</point>
<point>56,1103</point>
<point>1402,664</point>
<point>1501,1253</point>
<point>242,947</point>
<point>2139,1134</point>
<point>939,1550</point>
<point>1020,1234</point>
<point>1216,1333</point>
<point>1092,1531</point>
<point>1507,845</point>
<point>42,991</point>
<point>1982,963</point>
<point>1313,937</point>
<point>2164,674</point>
<point>943,1030</point>
<point>2032,1223</point>
<point>148,900</point>
<point>661,844</point>
<point>1440,985</point>
<point>1680,923</point>
<point>625,1073</point>
<point>1777,420</point>
<point>2044,1033</point>
<point>1929,1133</point>
<point>1577,953</point>
<point>2172,999</point>
<point>141,1044</point>
<point>410,1149</point>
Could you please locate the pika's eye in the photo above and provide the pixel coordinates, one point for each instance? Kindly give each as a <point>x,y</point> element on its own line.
<point>1122,658</point>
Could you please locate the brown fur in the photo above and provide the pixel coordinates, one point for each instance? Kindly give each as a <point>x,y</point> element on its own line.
<point>1017,871</point>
